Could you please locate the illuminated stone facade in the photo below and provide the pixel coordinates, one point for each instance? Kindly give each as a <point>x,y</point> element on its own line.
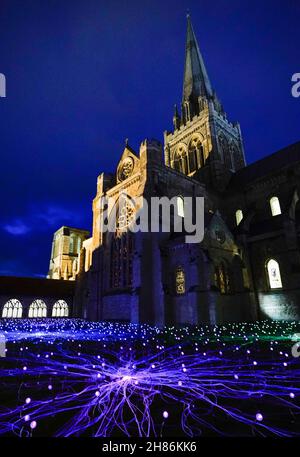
<point>248,265</point>
<point>66,246</point>
<point>160,279</point>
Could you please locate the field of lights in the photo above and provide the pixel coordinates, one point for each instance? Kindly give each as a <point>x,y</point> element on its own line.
<point>69,377</point>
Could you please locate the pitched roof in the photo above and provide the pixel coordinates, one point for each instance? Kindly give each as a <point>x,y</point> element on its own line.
<point>270,164</point>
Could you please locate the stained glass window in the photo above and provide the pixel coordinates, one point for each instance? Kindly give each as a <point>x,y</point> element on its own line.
<point>37,308</point>
<point>12,309</point>
<point>121,260</point>
<point>222,278</point>
<point>60,309</point>
<point>238,216</point>
<point>180,280</point>
<point>275,206</point>
<point>274,274</point>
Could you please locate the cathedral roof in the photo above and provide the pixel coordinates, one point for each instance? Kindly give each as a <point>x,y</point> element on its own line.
<point>36,286</point>
<point>270,164</point>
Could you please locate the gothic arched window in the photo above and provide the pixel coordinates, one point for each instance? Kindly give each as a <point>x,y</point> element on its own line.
<point>222,278</point>
<point>275,206</point>
<point>72,244</point>
<point>201,156</point>
<point>180,160</point>
<point>236,157</point>
<point>60,309</point>
<point>196,154</point>
<point>193,159</point>
<point>37,308</point>
<point>238,216</point>
<point>274,277</point>
<point>225,152</point>
<point>180,280</point>
<point>12,309</point>
<point>79,243</point>
<point>121,254</point>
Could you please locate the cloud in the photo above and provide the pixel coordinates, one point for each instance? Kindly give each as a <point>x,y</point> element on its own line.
<point>17,228</point>
<point>41,218</point>
<point>54,215</point>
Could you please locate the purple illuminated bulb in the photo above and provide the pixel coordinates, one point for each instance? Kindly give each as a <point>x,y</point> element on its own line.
<point>259,417</point>
<point>28,400</point>
<point>33,425</point>
<point>165,414</point>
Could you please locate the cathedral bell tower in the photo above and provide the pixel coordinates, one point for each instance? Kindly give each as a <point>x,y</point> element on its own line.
<point>204,144</point>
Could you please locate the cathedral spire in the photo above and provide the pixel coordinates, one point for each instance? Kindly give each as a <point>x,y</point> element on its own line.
<point>196,82</point>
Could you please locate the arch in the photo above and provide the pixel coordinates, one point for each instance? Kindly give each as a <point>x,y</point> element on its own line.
<point>180,280</point>
<point>196,157</point>
<point>273,274</point>
<point>222,279</point>
<point>180,206</point>
<point>12,309</point>
<point>72,247</point>
<point>180,161</point>
<point>239,274</point>
<point>60,309</point>
<point>120,243</point>
<point>225,151</point>
<point>121,260</point>
<point>275,206</point>
<point>236,156</point>
<point>239,216</point>
<point>202,156</point>
<point>38,308</point>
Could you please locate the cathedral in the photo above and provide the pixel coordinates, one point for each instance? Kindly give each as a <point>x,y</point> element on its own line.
<point>246,268</point>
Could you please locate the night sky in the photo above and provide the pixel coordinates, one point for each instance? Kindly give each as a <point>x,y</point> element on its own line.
<point>83,75</point>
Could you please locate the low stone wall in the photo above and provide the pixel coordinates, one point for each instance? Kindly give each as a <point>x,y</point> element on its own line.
<point>280,305</point>
<point>213,308</point>
<point>120,307</point>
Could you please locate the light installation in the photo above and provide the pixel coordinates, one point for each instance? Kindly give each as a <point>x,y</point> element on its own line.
<point>73,378</point>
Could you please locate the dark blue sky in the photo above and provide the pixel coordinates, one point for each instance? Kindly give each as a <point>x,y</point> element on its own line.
<point>82,75</point>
